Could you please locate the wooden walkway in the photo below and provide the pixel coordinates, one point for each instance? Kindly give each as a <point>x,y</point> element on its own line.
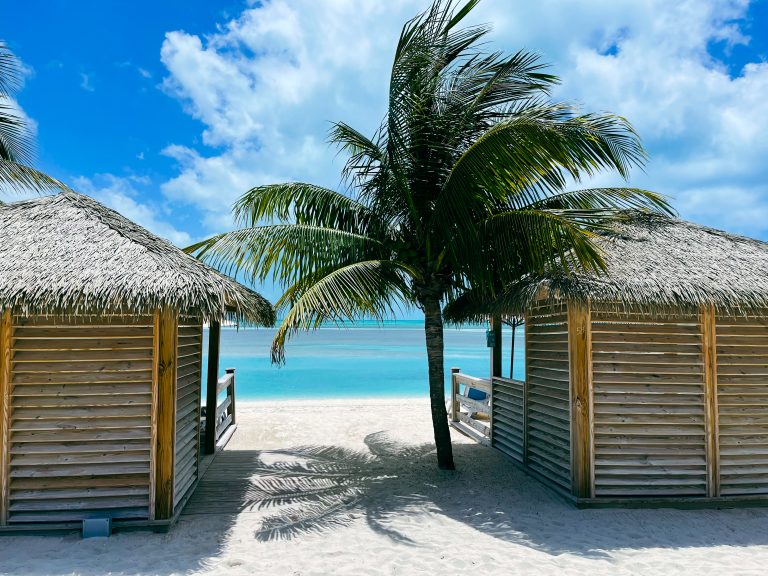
<point>226,487</point>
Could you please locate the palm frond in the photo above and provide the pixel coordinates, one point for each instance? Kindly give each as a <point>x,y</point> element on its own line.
<point>535,240</point>
<point>18,178</point>
<point>528,158</point>
<point>304,204</point>
<point>16,143</point>
<point>606,199</point>
<point>10,72</point>
<point>364,289</point>
<point>288,252</point>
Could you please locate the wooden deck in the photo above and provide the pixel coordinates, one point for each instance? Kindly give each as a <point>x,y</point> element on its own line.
<point>226,486</point>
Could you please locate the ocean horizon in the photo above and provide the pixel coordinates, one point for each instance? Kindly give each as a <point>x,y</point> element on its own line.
<point>361,360</point>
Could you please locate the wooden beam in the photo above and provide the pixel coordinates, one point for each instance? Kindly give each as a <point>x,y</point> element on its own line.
<point>167,333</point>
<point>6,340</point>
<point>496,350</point>
<point>199,400</point>
<point>579,358</point>
<point>525,393</point>
<point>214,339</point>
<point>454,393</point>
<point>231,395</point>
<point>709,354</point>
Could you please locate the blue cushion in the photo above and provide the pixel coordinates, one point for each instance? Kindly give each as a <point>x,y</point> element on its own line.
<point>476,394</point>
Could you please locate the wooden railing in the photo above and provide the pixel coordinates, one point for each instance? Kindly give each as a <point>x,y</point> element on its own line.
<point>471,406</point>
<point>220,416</point>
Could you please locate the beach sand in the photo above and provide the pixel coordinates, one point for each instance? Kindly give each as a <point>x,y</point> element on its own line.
<point>355,490</point>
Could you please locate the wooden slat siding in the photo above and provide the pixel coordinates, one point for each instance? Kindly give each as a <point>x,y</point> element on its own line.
<point>507,417</point>
<point>188,382</point>
<point>547,398</point>
<point>579,351</point>
<point>649,410</point>
<point>742,403</point>
<point>165,440</point>
<point>80,419</point>
<point>6,356</point>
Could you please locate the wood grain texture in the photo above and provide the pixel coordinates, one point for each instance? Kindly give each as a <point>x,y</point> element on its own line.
<point>709,347</point>
<point>649,411</point>
<point>80,420</point>
<point>6,339</point>
<point>212,391</point>
<point>742,404</point>
<point>507,420</point>
<point>547,414</point>
<point>188,392</point>
<point>166,330</point>
<point>579,349</point>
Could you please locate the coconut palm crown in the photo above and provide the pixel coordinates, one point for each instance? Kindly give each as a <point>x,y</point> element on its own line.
<point>463,187</point>
<point>16,138</point>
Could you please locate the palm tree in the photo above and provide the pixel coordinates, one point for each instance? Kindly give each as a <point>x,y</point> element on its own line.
<point>16,139</point>
<point>463,187</point>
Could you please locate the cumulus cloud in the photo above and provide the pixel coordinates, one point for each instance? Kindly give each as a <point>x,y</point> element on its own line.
<point>266,84</point>
<point>121,195</point>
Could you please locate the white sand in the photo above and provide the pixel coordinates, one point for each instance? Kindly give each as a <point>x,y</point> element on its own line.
<point>393,512</point>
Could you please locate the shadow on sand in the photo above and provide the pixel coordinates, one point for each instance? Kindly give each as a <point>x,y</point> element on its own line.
<point>293,492</point>
<point>321,488</point>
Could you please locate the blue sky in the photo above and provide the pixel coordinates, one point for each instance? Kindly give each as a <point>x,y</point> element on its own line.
<point>168,110</point>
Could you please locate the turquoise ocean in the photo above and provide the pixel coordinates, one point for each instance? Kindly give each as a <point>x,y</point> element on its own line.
<point>364,360</point>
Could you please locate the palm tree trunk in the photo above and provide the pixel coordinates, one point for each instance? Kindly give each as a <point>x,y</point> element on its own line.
<point>433,327</point>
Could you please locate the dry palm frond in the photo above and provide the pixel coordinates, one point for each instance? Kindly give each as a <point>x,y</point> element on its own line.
<point>658,263</point>
<point>69,254</point>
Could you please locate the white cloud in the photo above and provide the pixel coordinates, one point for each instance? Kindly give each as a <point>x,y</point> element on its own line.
<point>266,84</point>
<point>120,195</point>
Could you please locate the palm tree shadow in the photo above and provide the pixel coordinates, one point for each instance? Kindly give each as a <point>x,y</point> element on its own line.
<point>319,488</point>
<point>316,489</point>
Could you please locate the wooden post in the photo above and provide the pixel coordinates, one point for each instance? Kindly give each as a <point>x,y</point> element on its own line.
<point>579,357</point>
<point>6,341</point>
<point>454,394</point>
<point>166,328</point>
<point>200,442</point>
<point>525,393</point>
<point>496,350</point>
<point>214,339</point>
<point>512,352</point>
<point>709,354</point>
<point>231,394</point>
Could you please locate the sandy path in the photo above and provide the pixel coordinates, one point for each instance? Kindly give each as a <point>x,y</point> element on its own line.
<point>372,502</point>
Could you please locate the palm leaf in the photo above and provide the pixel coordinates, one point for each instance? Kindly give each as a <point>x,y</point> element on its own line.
<point>373,289</point>
<point>305,204</point>
<point>16,144</point>
<point>288,251</point>
<point>602,199</point>
<point>18,178</point>
<point>10,72</point>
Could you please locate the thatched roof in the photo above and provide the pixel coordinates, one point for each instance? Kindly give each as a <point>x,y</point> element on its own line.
<point>657,262</point>
<point>67,253</point>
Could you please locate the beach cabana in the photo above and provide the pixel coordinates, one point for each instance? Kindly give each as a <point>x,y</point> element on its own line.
<point>100,365</point>
<point>649,384</point>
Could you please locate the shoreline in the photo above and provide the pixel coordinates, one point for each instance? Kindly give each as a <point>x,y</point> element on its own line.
<point>247,403</point>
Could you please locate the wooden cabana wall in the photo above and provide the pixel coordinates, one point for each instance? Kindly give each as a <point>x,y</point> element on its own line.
<point>99,417</point>
<point>642,407</point>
